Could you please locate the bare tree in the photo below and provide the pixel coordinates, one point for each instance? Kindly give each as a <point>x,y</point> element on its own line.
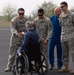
<point>9,12</point>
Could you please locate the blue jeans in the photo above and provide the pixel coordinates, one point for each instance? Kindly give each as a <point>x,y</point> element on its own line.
<point>55,41</point>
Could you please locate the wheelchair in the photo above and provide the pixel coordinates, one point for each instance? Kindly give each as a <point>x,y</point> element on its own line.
<point>31,61</point>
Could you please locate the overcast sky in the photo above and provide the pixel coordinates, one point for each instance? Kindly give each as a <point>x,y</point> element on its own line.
<point>30,5</point>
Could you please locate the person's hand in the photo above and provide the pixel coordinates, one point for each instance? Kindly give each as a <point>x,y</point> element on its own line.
<point>20,54</point>
<point>19,35</point>
<point>45,41</point>
<point>23,33</point>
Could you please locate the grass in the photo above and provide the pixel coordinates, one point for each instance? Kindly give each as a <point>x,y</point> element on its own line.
<point>4,23</point>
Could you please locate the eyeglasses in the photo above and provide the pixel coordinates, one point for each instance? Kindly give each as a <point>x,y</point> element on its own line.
<point>62,6</point>
<point>21,13</point>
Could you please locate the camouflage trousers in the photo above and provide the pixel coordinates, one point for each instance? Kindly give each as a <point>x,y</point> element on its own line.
<point>12,52</point>
<point>67,46</point>
<point>44,48</point>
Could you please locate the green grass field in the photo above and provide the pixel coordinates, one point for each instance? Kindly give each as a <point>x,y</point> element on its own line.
<point>4,23</point>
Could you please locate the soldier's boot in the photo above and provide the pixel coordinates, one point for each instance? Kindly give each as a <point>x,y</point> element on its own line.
<point>8,69</point>
<point>72,72</point>
<point>64,69</point>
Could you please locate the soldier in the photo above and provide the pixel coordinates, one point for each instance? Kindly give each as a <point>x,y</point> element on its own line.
<point>67,23</point>
<point>43,28</point>
<point>17,29</point>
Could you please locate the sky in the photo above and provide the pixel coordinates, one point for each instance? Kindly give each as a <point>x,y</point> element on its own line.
<point>30,5</point>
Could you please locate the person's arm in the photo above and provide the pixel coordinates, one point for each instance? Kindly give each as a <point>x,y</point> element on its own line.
<point>13,27</point>
<point>24,44</point>
<point>49,29</point>
<point>25,40</point>
<point>19,51</point>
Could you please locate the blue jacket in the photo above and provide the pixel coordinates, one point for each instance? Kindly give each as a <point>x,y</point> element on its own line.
<point>56,29</point>
<point>29,36</point>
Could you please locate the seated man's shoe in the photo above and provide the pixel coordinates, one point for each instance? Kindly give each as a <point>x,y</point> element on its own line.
<point>72,72</point>
<point>64,69</point>
<point>8,69</point>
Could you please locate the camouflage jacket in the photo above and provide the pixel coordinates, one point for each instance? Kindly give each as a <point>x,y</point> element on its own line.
<point>67,24</point>
<point>17,25</point>
<point>43,28</point>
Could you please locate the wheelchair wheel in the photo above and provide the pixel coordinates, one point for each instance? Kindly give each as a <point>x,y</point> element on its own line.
<point>26,67</point>
<point>21,65</point>
<point>42,65</point>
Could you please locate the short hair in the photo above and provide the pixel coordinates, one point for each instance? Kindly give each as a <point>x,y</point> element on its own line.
<point>30,25</point>
<point>22,9</point>
<point>40,10</point>
<point>64,3</point>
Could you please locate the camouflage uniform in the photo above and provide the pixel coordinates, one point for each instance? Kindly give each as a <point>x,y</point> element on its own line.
<point>67,23</point>
<point>17,26</point>
<point>43,28</point>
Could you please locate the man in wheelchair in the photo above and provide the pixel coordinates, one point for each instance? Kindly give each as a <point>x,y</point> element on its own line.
<point>31,47</point>
<point>30,43</point>
<point>30,38</point>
